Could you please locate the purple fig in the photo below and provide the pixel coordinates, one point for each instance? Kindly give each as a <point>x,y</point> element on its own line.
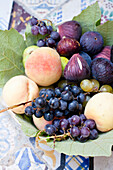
<point>77,69</point>
<point>67,47</point>
<point>102,70</point>
<point>70,29</point>
<point>105,53</point>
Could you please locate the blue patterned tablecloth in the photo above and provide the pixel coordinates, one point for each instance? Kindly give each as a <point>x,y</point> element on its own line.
<point>17,151</point>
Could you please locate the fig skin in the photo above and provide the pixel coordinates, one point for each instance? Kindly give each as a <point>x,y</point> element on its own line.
<point>67,47</point>
<point>102,70</point>
<point>76,69</point>
<point>91,42</point>
<point>105,53</point>
<point>70,29</point>
<point>86,57</point>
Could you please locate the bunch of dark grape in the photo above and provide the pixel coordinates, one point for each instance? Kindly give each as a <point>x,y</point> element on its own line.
<point>76,127</point>
<point>40,27</point>
<point>64,107</point>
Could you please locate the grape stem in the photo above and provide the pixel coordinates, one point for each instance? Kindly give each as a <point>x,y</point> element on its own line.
<point>14,106</point>
<point>52,137</point>
<point>46,20</point>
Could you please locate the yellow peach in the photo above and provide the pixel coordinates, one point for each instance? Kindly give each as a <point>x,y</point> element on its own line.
<point>44,66</point>
<point>19,89</point>
<point>100,109</point>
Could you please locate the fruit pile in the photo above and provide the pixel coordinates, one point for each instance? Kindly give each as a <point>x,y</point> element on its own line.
<point>65,71</point>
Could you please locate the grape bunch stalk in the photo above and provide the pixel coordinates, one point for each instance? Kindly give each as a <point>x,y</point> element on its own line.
<point>39,27</point>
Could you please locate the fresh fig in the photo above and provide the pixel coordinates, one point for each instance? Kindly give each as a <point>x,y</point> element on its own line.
<point>91,42</point>
<point>70,29</point>
<point>76,69</point>
<point>105,53</point>
<point>86,57</point>
<point>68,46</point>
<point>102,70</point>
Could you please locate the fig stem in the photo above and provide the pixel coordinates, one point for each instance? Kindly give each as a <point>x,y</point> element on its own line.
<point>14,106</point>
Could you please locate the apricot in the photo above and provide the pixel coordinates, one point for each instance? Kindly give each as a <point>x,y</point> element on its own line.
<point>40,122</point>
<point>19,89</point>
<point>100,109</point>
<point>44,66</point>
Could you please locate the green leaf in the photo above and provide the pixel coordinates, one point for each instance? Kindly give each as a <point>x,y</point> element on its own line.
<point>27,126</point>
<point>30,38</point>
<point>106,30</point>
<point>89,18</point>
<point>12,46</point>
<point>99,147</point>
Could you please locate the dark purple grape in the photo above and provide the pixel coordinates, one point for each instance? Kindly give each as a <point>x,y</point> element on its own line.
<point>73,106</point>
<point>74,131</point>
<point>35,30</point>
<point>54,103</point>
<point>80,107</point>
<point>43,30</point>
<point>82,139</point>
<point>42,92</point>
<point>33,105</point>
<point>64,124</point>
<point>58,91</point>
<point>38,113</point>
<point>93,134</point>
<point>85,132</point>
<point>33,21</point>
<point>66,95</point>
<point>58,113</point>
<point>50,42</point>
<point>29,111</point>
<point>50,29</point>
<point>82,118</point>
<point>46,108</point>
<point>55,35</point>
<point>50,93</point>
<point>50,129</point>
<point>67,87</point>
<point>90,123</point>
<point>66,112</point>
<point>40,102</point>
<point>56,123</point>
<point>48,116</point>
<point>62,105</point>
<point>81,98</point>
<point>75,90</point>
<point>41,43</point>
<point>74,120</point>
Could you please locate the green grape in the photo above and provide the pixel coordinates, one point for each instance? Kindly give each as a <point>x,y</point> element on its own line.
<point>106,88</point>
<point>86,85</point>
<point>96,84</point>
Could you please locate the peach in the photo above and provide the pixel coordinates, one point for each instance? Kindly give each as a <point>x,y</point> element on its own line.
<point>44,66</point>
<point>40,122</point>
<point>19,89</point>
<point>100,109</point>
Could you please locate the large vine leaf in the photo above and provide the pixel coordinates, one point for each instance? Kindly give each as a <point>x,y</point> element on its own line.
<point>89,18</point>
<point>106,30</point>
<point>27,126</point>
<point>99,147</point>
<point>12,46</point>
